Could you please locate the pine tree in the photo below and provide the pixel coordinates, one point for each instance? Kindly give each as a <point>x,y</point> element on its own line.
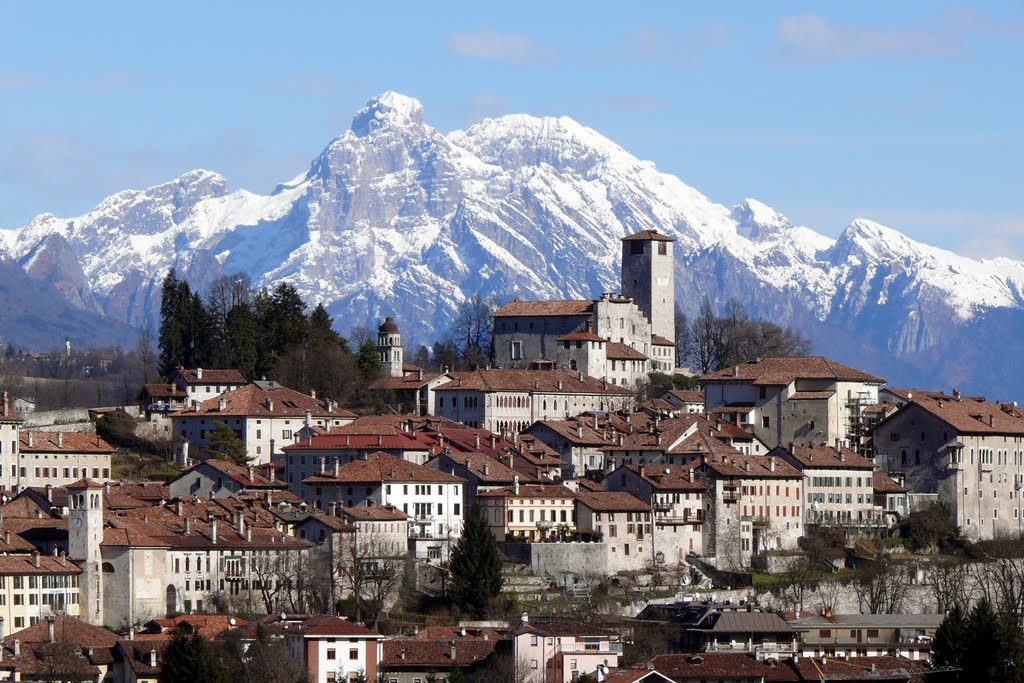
<point>242,339</point>
<point>368,360</point>
<point>189,658</point>
<point>951,639</point>
<point>475,566</point>
<point>171,340</point>
<point>226,445</point>
<point>321,325</point>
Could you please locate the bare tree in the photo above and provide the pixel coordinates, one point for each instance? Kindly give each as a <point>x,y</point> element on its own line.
<point>801,577</point>
<point>146,353</point>
<point>473,330</point>
<point>829,593</point>
<point>951,583</point>
<point>507,668</point>
<point>705,333</point>
<point>1001,582</point>
<point>371,568</point>
<point>882,589</point>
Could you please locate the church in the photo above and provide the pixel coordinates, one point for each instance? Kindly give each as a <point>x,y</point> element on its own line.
<point>619,338</point>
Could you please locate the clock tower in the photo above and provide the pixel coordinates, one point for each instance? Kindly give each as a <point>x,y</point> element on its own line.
<point>85,534</point>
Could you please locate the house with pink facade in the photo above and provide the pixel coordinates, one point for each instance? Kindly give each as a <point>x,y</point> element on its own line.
<point>560,651</point>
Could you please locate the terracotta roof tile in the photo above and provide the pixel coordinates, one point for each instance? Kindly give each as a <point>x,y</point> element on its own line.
<point>253,400</point>
<point>540,308</point>
<point>824,457</point>
<point>646,235</point>
<point>435,654</point>
<point>612,501</point>
<point>69,442</point>
<point>786,370</point>
<point>211,376</point>
<point>546,381</point>
<point>622,352</point>
<point>528,491</point>
<point>381,467</point>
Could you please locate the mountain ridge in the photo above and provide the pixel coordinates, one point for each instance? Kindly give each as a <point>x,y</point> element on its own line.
<point>396,218</point>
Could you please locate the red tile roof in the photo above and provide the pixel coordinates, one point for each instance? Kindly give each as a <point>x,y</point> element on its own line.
<point>658,340</point>
<point>71,442</point>
<point>883,483</point>
<point>435,654</point>
<point>529,491</point>
<point>824,457</point>
<point>612,501</point>
<point>210,376</point>
<point>720,665</point>
<point>254,401</point>
<point>326,625</point>
<point>646,235</point>
<point>687,396</point>
<point>666,477</point>
<point>966,415</point>
<point>381,467</point>
<point>541,308</point>
<point>22,565</point>
<point>622,352</point>
<point>786,370</point>
<point>373,513</point>
<point>543,381</point>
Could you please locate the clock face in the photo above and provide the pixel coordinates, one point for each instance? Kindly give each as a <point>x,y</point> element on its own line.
<point>77,522</point>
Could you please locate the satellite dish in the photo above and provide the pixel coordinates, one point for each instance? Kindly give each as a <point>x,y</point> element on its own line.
<point>686,580</point>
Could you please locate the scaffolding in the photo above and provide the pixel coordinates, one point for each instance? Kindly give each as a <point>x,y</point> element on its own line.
<point>859,425</point>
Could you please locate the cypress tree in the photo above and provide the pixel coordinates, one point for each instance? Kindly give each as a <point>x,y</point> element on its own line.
<point>952,639</point>
<point>226,445</point>
<point>475,566</point>
<point>189,658</point>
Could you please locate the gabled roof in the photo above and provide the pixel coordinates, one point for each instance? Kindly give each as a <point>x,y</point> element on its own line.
<point>326,625</point>
<point>436,654</point>
<point>409,380</point>
<point>23,565</point>
<point>658,340</point>
<point>67,442</point>
<point>966,415</point>
<point>380,467</point>
<point>373,513</point>
<point>252,400</point>
<point>210,376</point>
<point>515,309</point>
<point>554,626</point>
<point>574,431</point>
<point>620,351</point>
<point>686,396</point>
<point>247,477</point>
<point>666,477</point>
<point>529,491</point>
<point>883,483</point>
<point>783,371</point>
<point>343,440</point>
<point>532,381</point>
<point>612,501</point>
<point>823,457</point>
<point>721,665</point>
<point>483,467</point>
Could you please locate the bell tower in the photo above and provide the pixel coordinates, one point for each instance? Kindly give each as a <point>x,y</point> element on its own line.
<point>389,345</point>
<point>85,534</point>
<point>648,277</point>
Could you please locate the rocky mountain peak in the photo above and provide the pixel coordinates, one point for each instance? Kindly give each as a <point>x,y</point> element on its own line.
<point>389,109</point>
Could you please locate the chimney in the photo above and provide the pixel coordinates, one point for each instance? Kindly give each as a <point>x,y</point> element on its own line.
<point>515,485</point>
<point>453,651</point>
<point>177,507</point>
<point>199,373</point>
<point>152,659</point>
<point>419,374</point>
<point>188,525</point>
<point>579,430</point>
<point>476,440</point>
<point>7,403</point>
<point>222,405</point>
<point>525,618</point>
<point>248,534</point>
<point>691,475</point>
<point>380,440</point>
<point>309,418</point>
<point>49,493</point>
<point>30,439</point>
<point>991,419</point>
<point>735,371</point>
<point>17,647</point>
<point>487,469</point>
<point>839,444</point>
<point>252,474</point>
<point>494,441</point>
<point>337,466</point>
<point>771,464</point>
<point>60,439</point>
<point>213,531</point>
<point>240,522</point>
<point>49,629</point>
<point>270,404</point>
<point>35,558</point>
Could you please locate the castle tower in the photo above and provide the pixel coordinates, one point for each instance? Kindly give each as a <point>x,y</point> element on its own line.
<point>648,276</point>
<point>389,344</point>
<point>85,534</point>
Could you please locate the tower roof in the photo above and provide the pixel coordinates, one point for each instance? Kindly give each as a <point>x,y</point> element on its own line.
<point>83,484</point>
<point>648,236</point>
<point>389,326</point>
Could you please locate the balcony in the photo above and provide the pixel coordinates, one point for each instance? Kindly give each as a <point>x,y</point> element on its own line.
<point>731,494</point>
<point>585,649</point>
<point>688,517</point>
<point>658,506</point>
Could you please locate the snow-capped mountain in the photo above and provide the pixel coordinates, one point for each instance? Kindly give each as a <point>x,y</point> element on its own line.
<point>396,218</point>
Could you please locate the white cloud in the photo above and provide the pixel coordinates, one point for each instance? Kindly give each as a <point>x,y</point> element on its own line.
<point>813,39</point>
<point>656,44</point>
<point>627,102</point>
<point>490,44</point>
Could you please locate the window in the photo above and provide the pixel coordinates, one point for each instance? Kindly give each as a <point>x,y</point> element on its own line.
<point>353,654</point>
<point>766,422</point>
<point>330,653</point>
<point>517,350</point>
<point>533,662</point>
<point>825,633</point>
<point>533,641</point>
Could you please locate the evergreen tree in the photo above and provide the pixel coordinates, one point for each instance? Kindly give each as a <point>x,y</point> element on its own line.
<point>475,566</point>
<point>226,445</point>
<point>321,325</point>
<point>288,322</point>
<point>422,357</point>
<point>368,361</point>
<point>455,674</point>
<point>242,338</point>
<point>171,339</point>
<point>189,658</point>
<point>951,639</point>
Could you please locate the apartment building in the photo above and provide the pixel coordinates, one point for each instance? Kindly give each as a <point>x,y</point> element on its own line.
<point>677,501</point>
<point>530,511</point>
<point>200,385</point>
<point>809,400</point>
<point>265,415</point>
<point>34,586</point>
<point>60,458</point>
<point>560,651</point>
<point>10,428</point>
<point>838,487</point>
<point>624,522</point>
<point>432,499</point>
<point>967,451</point>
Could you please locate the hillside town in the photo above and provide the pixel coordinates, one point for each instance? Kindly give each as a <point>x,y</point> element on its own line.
<point>550,514</point>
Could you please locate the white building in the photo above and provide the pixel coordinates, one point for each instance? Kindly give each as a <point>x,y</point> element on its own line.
<point>60,458</point>
<point>265,415</point>
<point>432,499</point>
<point>201,385</point>
<point>509,401</point>
<point>10,428</point>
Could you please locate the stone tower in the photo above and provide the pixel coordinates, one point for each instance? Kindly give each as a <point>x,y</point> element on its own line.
<point>389,344</point>
<point>648,276</point>
<point>85,534</point>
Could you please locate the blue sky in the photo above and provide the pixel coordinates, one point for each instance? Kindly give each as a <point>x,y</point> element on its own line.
<point>909,113</point>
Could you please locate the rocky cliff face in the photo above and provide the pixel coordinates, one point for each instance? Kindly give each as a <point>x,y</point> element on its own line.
<point>395,218</point>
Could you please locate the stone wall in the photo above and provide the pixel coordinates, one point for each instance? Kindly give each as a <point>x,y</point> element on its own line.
<point>560,560</point>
